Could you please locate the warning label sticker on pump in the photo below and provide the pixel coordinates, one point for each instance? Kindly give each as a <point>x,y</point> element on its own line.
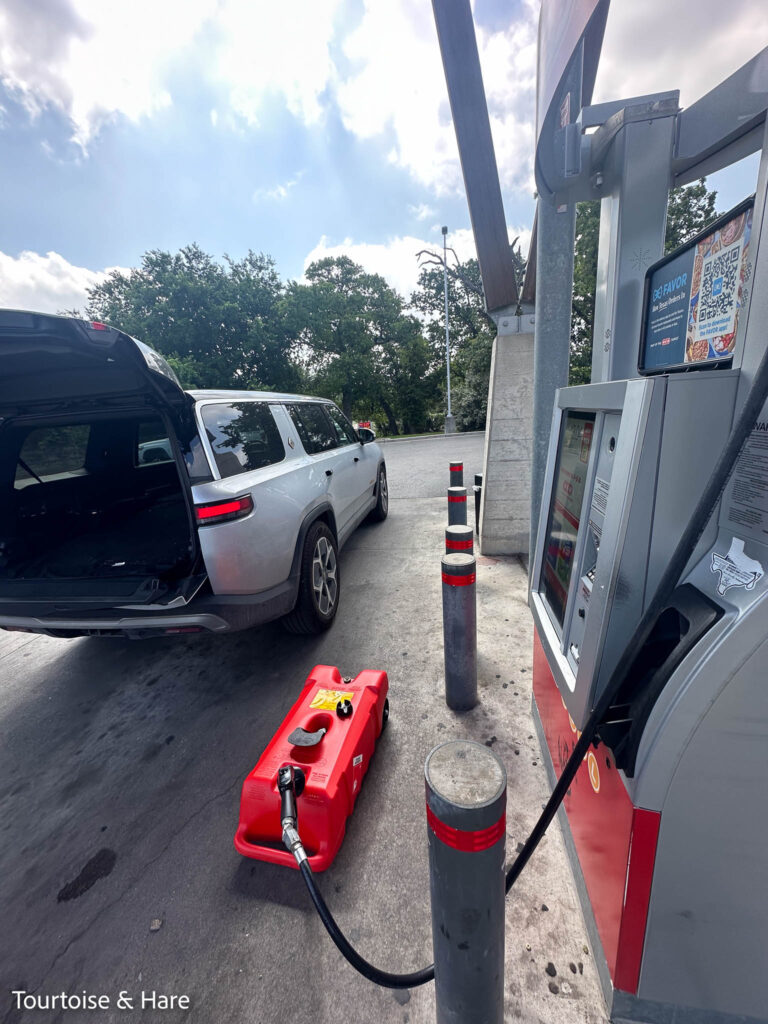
<point>326,700</point>
<point>747,509</point>
<point>736,569</point>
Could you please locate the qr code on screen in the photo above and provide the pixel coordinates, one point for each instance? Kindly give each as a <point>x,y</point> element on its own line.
<point>719,279</point>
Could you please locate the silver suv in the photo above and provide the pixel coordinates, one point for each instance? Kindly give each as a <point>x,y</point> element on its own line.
<point>130,507</point>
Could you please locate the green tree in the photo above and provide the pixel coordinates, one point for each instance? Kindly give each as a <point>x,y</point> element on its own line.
<point>690,209</point>
<point>357,343</point>
<point>410,379</point>
<point>218,325</point>
<point>584,284</point>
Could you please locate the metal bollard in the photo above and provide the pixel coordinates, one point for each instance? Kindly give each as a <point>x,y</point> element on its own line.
<point>459,538</point>
<point>457,506</point>
<point>478,489</point>
<point>466,788</point>
<point>457,474</point>
<point>459,631</point>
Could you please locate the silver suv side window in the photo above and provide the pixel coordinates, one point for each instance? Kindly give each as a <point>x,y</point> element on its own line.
<point>315,429</point>
<point>344,429</point>
<point>152,444</point>
<point>243,436</point>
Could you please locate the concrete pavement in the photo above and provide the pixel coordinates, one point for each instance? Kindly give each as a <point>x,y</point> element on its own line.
<point>120,771</point>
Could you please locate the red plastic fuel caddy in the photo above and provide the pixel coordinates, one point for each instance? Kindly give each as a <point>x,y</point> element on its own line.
<point>330,733</point>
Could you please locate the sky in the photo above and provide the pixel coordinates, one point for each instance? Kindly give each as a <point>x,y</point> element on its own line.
<point>299,129</point>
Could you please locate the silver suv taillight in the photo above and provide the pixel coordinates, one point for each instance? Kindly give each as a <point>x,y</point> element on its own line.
<point>223,511</point>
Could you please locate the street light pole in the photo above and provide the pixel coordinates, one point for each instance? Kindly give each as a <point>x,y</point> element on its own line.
<point>450,422</point>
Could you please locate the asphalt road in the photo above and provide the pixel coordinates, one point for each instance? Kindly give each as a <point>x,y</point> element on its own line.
<point>417,468</point>
<point>120,771</point>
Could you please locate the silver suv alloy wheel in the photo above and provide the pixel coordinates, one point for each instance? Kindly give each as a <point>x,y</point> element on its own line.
<point>383,491</point>
<point>324,576</point>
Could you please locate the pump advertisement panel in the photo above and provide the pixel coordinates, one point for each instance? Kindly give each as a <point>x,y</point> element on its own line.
<point>693,297</point>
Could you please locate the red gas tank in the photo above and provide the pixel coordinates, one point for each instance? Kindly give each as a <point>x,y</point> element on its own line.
<point>330,733</point>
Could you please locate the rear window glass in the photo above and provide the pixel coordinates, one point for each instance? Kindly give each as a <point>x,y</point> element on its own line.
<point>315,429</point>
<point>52,452</point>
<point>243,436</point>
<point>344,429</point>
<point>152,444</point>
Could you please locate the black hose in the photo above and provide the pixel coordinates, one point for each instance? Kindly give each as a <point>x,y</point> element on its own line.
<point>383,978</point>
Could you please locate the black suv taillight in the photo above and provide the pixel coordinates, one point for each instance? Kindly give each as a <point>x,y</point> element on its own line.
<point>223,511</point>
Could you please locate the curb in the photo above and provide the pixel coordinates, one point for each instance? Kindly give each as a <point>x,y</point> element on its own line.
<point>426,437</point>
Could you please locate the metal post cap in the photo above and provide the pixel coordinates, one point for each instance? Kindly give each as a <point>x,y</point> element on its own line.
<point>466,785</point>
<point>458,563</point>
<point>457,493</point>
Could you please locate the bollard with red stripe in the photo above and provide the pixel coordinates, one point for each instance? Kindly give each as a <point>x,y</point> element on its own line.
<point>466,787</point>
<point>457,474</point>
<point>457,506</point>
<point>459,538</point>
<point>459,631</point>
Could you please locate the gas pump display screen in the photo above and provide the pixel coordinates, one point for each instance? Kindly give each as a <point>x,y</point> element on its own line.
<point>694,295</point>
<point>565,508</point>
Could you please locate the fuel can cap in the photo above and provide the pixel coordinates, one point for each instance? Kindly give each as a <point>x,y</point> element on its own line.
<point>344,708</point>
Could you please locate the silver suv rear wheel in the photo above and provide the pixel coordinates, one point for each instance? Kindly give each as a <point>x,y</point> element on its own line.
<point>381,508</point>
<point>325,580</point>
<point>319,583</point>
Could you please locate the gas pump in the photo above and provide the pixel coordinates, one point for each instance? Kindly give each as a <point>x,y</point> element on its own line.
<point>665,818</point>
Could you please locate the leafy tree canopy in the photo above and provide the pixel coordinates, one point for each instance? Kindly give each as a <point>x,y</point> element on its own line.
<point>358,344</point>
<point>218,325</point>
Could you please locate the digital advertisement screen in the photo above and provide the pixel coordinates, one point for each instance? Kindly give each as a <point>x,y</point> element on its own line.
<point>565,508</point>
<point>694,296</point>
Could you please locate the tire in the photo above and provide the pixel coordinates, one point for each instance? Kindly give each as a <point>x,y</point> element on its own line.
<point>319,583</point>
<point>379,512</point>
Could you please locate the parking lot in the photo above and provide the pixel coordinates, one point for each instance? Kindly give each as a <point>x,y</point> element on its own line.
<point>121,764</point>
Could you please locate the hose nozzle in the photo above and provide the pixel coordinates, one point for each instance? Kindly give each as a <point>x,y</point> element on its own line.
<point>290,784</point>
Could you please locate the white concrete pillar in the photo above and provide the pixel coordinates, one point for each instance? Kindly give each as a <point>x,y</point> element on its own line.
<point>505,508</point>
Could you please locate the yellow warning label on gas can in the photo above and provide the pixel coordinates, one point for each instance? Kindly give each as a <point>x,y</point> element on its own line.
<point>326,700</point>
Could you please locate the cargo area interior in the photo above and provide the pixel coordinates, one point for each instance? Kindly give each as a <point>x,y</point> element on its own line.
<point>98,500</point>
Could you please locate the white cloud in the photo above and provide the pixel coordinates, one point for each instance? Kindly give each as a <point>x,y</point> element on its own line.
<point>396,259</point>
<point>94,59</point>
<point>278,192</point>
<point>699,46</point>
<point>422,211</point>
<point>45,284</point>
<point>275,49</point>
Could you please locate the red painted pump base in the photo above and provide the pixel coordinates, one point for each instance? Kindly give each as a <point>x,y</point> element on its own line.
<point>334,767</point>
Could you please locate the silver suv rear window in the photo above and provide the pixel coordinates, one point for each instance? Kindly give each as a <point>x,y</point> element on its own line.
<point>243,436</point>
